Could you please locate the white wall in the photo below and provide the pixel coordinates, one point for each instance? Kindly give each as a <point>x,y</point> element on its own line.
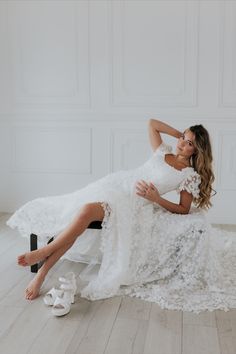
<point>80,79</point>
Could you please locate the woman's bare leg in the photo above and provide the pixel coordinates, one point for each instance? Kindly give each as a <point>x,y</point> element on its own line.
<point>33,288</point>
<point>89,212</point>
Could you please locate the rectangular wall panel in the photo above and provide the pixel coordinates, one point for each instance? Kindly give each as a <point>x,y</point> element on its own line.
<point>79,81</point>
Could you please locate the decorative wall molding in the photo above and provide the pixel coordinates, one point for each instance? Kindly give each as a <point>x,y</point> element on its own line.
<point>130,148</point>
<point>227,54</point>
<point>126,82</point>
<point>227,160</point>
<point>51,150</point>
<point>49,54</point>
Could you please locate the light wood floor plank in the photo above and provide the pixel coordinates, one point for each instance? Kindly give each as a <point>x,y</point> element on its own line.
<point>84,311</point>
<point>226,325</point>
<point>26,328</point>
<point>164,331</point>
<point>134,308</point>
<point>206,318</point>
<point>56,335</point>
<point>7,241</point>
<point>200,340</point>
<point>130,328</point>
<point>99,328</point>
<point>128,336</point>
<point>8,315</point>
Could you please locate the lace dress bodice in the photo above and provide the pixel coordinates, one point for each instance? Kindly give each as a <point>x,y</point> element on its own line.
<point>167,178</point>
<point>178,261</point>
<point>156,170</point>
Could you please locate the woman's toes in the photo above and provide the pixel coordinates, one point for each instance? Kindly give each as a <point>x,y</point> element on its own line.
<point>30,258</point>
<point>31,295</point>
<point>28,295</point>
<point>32,291</point>
<point>21,260</point>
<point>22,263</point>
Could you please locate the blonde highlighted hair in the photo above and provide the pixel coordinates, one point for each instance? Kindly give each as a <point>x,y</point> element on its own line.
<point>201,161</point>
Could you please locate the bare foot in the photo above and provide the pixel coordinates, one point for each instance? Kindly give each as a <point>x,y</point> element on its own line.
<point>33,288</point>
<point>30,258</point>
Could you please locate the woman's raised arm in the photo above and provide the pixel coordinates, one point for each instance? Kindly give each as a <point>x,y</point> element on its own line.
<point>155,127</point>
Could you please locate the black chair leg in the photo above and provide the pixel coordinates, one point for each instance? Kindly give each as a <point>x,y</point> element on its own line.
<point>34,246</point>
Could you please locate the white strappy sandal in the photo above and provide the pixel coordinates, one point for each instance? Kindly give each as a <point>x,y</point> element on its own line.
<point>69,280</point>
<point>62,303</point>
<point>51,296</point>
<point>62,298</point>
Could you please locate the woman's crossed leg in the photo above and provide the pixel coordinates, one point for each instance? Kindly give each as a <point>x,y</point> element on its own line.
<point>54,250</point>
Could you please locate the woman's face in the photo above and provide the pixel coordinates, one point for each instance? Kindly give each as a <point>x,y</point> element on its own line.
<point>186,145</point>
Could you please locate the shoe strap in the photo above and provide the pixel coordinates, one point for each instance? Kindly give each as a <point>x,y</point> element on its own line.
<point>65,301</point>
<point>67,278</point>
<point>69,287</point>
<point>54,292</point>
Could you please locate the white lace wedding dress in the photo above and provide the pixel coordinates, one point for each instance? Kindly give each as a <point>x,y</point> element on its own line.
<point>178,261</point>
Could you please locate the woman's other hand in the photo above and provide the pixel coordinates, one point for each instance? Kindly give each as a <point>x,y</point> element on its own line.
<point>147,191</point>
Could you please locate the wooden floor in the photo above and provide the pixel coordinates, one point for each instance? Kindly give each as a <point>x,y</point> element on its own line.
<point>120,325</point>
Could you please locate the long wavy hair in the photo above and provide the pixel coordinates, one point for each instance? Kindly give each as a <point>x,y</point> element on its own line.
<point>201,161</point>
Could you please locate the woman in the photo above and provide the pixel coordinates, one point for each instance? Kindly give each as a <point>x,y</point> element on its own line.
<point>148,246</point>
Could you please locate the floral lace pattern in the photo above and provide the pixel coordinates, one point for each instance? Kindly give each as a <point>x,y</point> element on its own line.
<point>178,261</point>
<point>107,211</point>
<point>190,184</point>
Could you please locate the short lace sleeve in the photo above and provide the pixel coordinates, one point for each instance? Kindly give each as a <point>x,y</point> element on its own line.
<point>163,148</point>
<point>190,184</point>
